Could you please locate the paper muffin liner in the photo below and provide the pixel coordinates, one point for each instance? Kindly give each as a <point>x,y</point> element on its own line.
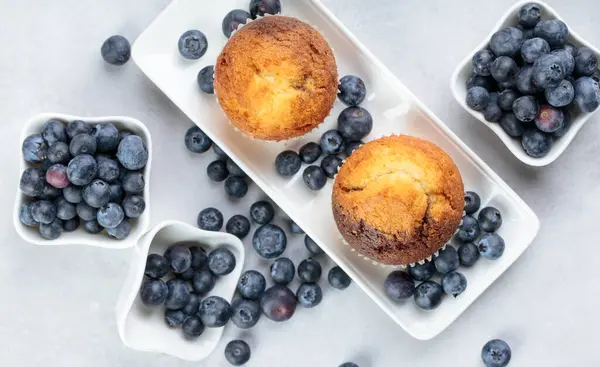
<point>291,139</point>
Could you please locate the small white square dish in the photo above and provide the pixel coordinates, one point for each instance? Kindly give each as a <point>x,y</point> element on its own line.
<point>144,329</point>
<point>464,71</point>
<point>395,110</point>
<point>81,236</point>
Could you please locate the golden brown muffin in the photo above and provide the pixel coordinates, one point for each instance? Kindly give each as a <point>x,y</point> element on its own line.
<point>398,199</point>
<point>276,78</point>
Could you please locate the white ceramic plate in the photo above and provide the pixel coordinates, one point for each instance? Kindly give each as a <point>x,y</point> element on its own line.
<point>394,109</point>
<point>80,236</point>
<point>144,329</point>
<point>464,71</point>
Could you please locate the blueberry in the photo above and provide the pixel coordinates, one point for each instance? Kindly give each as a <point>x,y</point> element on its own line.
<point>199,258</point>
<point>548,71</point>
<point>399,286</point>
<point>562,95</point>
<point>234,169</point>
<point>82,169</point>
<point>283,271</point>
<point>132,153</point>
<point>482,61</point>
<point>153,292</point>
<point>491,246</point>
<point>187,275</point>
<point>215,311</point>
<point>217,171</point>
<point>196,141</point>
<point>490,219</point>
<point>309,295</point>
<point>351,146</point>
<point>567,59</point>
<point>221,261</point>
<point>236,187</point>
<point>133,182</point>
<point>178,294</point>
<point>52,230</point>
<point>246,313</point>
<point>107,138</point>
<point>34,148</point>
<point>77,127</point>
<point>179,258</point>
<point>174,318</point>
<point>314,178</point>
<point>428,295</point>
<point>251,284</point>
<point>447,260</point>
<point>295,228</point>
<point>587,94</point>
<point>330,165</point>
<point>133,206</point>
<point>193,305</point>
<point>509,84</point>
<point>348,364</point>
<point>71,224</point>
<point>468,254</point>
<point>565,127</point>
<point>58,152</point>
<point>506,99</point>
<point>352,90</point>
<point>233,20</point>
<point>262,212</point>
<point>312,246</point>
<point>354,123</point>
<point>237,352</point>
<point>507,41</point>
<point>338,278</point>
<point>57,177</point>
<point>210,219</point>
<point>192,327</point>
<point>534,48</point>
<point>206,79</point>
<point>549,119</point>
<point>528,33</point>
<point>524,80</point>
<point>82,144</point>
<point>496,353</point>
<point>269,241</point>
<point>53,131</point>
<point>586,62</point>
<point>157,266</point>
<point>492,112</point>
<point>310,152</point>
<point>309,270</point>
<point>116,50</point>
<point>121,231</point>
<point>480,81</point>
<point>64,209</point>
<point>192,44</point>
<point>219,152</point>
<point>536,143</point>
<point>86,212</point>
<point>454,284</point>
<point>203,281</point>
<point>110,216</point>
<point>108,169</point>
<point>32,182</point>
<point>238,225</point>
<point>422,272</point>
<point>472,202</point>
<point>288,163</point>
<point>529,15</point>
<point>468,230</point>
<point>278,303</point>
<point>92,226</point>
<point>554,31</point>
<point>25,215</point>
<point>262,7</point>
<point>478,98</point>
<point>525,108</point>
<point>503,68</point>
<point>96,194</point>
<point>43,211</point>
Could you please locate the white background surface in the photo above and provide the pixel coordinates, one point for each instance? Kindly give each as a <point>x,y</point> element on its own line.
<point>56,304</point>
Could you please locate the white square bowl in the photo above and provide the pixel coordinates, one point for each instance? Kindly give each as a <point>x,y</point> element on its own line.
<point>464,71</point>
<point>144,329</point>
<point>80,236</point>
<point>395,110</point>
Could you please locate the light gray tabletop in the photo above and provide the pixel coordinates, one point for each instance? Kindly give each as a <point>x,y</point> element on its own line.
<point>56,305</point>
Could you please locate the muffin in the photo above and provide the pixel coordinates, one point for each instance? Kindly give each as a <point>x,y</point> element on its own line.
<point>276,78</point>
<point>398,200</point>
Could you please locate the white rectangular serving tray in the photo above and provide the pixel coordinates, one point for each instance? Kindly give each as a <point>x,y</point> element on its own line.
<point>395,111</point>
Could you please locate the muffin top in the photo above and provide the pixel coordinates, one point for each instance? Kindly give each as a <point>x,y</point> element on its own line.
<point>276,78</point>
<point>398,199</point>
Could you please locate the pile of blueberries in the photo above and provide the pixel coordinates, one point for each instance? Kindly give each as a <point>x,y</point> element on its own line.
<point>477,237</point>
<point>79,172</point>
<point>532,82</point>
<point>354,123</point>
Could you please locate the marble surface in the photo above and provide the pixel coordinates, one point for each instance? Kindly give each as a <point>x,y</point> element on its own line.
<point>57,304</point>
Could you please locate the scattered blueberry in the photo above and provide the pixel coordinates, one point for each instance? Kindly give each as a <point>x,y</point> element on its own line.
<point>153,292</point>
<point>237,352</point>
<point>246,313</point>
<point>506,99</point>
<point>288,163</point>
<point>219,152</point>
<point>548,71</point>
<point>351,146</point>
<point>251,284</point>
<point>507,41</point>
<point>196,140</point>
<point>221,261</point>
<point>312,246</point>
<point>234,169</point>
<point>428,295</point>
<point>309,270</point>
<point>133,182</point>
<point>478,98</point>
<point>278,303</point>
<point>233,20</point>
<point>468,254</point>
<point>82,169</point>
<point>133,206</point>
<point>354,123</point>
<point>269,241</point>
<point>332,142</point>
<point>399,286</point>
<point>295,228</point>
<point>309,294</point>
<point>34,148</point>
<point>490,219</point>
<point>525,108</point>
<point>92,226</point>
<point>422,272</point>
<point>121,231</point>
<point>314,178</point>
<point>472,202</point>
<point>469,229</point>
<point>56,176</point>
<point>496,353</point>
<point>193,305</point>
<point>562,95</point>
<point>203,281</point>
<point>210,219</point>
<point>206,79</point>
<point>236,187</point>
<point>43,212</point>
<point>64,209</point>
<point>132,153</point>
<point>447,260</point>
<point>238,225</point>
<point>310,152</point>
<point>283,271</point>
<point>352,90</point>
<point>157,266</point>
<point>215,311</point>
<point>529,15</point>
<point>71,224</point>
<point>174,318</point>
<point>262,212</point>
<point>454,284</point>
<point>192,327</point>
<point>536,143</point>
<point>58,152</point>
<point>554,31</point>
<point>262,7</point>
<point>330,165</point>
<point>86,212</point>
<point>192,44</point>
<point>338,278</point>
<point>482,61</point>
<point>491,246</point>
<point>178,295</point>
<point>82,144</point>
<point>32,182</point>
<point>116,50</point>
<point>217,171</point>
<point>587,94</point>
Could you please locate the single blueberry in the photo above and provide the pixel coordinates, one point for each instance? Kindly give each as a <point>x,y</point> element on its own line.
<point>116,192</point>
<point>469,229</point>
<point>108,169</point>
<point>506,99</point>
<point>217,171</point>
<point>428,295</point>
<point>511,125</point>
<point>82,169</point>
<point>478,98</point>
<point>92,226</point>
<point>121,231</point>
<point>219,152</point>
<point>82,144</point>
<point>548,71</point>
<point>549,119</point>
<point>562,95</point>
<point>503,68</point>
<point>133,182</point>
<point>496,353</point>
<point>468,253</point>
<point>587,94</point>
<point>338,278</point>
<point>25,215</point>
<point>351,146</point>
<point>567,59</point>
<point>203,281</point>
<point>490,219</point>
<point>312,246</point>
<point>269,241</point>
<point>32,182</point>
<point>565,127</point>
<point>310,152</point>
<point>526,108</point>
<point>238,225</point>
<point>524,80</point>
<point>251,284</point>
<point>58,152</point>
<point>64,209</point>
<point>472,202</point>
<point>34,148</point>
<point>288,163</point>
<point>134,206</point>
<point>192,328</point>
<point>178,294</point>
<point>422,272</point>
<point>482,61</point>
<point>116,50</point>
<point>454,284</point>
<point>77,127</point>
<point>193,305</point>
<point>295,228</point>
<point>330,165</point>
<point>309,270</point>
<point>179,258</point>
<point>234,169</point>
<point>309,295</point>
<point>233,20</point>
<point>534,48</point>
<point>447,260</point>
<point>352,90</point>
<point>86,212</point>
<point>237,352</point>
<point>199,258</point>
<point>314,178</point>
<point>262,212</point>
<point>96,194</point>
<point>485,82</point>
<point>153,292</point>
<point>236,187</point>
<point>175,318</point>
<point>107,137</point>
<point>132,153</point>
<point>53,131</point>
<point>210,219</point>
<point>399,286</point>
<point>586,62</point>
<point>157,266</point>
<point>215,311</point>
<point>43,211</point>
<point>283,271</point>
<point>554,31</point>
<point>507,41</point>
<point>354,123</point>
<point>529,15</point>
<point>259,8</point>
<point>246,313</point>
<point>221,261</point>
<point>71,224</point>
<point>491,246</point>
<point>196,141</point>
<point>206,79</point>
<point>52,230</point>
<point>536,143</point>
<point>57,176</point>
<point>110,216</point>
<point>192,44</point>
<point>278,303</point>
